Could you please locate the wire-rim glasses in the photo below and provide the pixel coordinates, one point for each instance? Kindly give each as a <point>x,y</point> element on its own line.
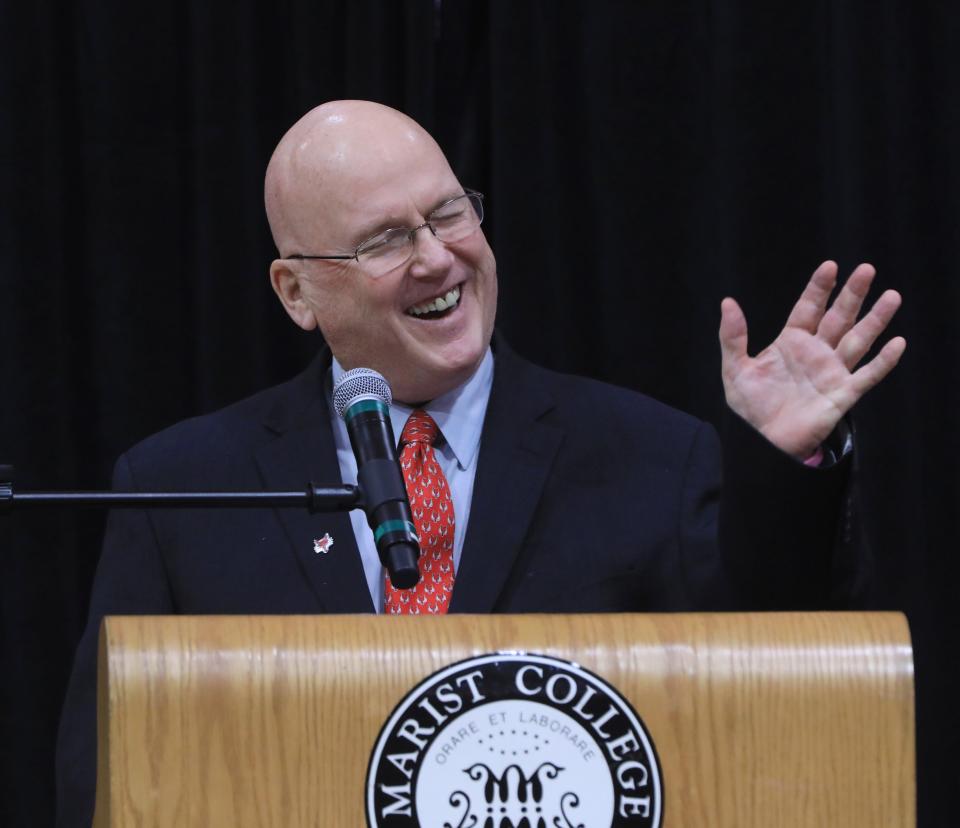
<point>452,221</point>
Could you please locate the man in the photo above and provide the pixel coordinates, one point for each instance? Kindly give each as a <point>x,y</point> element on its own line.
<point>565,494</point>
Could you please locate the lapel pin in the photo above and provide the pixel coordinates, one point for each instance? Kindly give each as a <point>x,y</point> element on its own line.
<point>323,544</point>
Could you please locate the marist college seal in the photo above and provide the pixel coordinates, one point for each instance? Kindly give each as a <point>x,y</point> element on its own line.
<point>513,740</point>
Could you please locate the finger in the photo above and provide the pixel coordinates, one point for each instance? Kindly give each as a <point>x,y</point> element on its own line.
<point>877,368</point>
<point>860,338</point>
<point>843,312</point>
<point>733,333</point>
<point>808,311</point>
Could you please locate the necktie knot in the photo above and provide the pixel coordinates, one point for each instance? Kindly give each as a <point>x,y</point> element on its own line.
<point>420,428</point>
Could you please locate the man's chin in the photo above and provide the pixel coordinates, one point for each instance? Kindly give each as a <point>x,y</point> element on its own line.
<point>437,374</point>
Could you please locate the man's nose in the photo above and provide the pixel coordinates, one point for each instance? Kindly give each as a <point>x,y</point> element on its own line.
<point>430,255</point>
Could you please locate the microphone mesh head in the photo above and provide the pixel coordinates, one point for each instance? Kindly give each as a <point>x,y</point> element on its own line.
<point>360,383</point>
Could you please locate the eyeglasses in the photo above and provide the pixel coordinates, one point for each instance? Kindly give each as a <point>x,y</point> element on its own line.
<point>451,222</point>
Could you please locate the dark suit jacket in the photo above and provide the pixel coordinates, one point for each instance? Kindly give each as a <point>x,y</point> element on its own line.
<point>587,498</point>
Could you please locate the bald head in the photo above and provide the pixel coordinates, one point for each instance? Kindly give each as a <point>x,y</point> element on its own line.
<point>346,172</point>
<point>336,153</point>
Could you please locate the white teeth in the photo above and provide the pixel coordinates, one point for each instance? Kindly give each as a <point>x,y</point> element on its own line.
<point>441,303</point>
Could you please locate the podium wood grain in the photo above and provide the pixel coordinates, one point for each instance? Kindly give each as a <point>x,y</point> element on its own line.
<point>758,720</point>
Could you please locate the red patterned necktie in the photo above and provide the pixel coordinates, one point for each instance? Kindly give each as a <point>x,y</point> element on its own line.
<point>432,509</point>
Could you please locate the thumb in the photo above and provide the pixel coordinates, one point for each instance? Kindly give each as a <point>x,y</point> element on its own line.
<point>733,333</point>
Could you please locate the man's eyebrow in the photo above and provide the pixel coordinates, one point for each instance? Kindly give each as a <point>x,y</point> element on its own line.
<point>373,228</point>
<point>368,231</point>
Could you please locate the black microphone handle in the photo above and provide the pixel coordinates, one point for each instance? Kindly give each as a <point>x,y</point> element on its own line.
<point>384,493</point>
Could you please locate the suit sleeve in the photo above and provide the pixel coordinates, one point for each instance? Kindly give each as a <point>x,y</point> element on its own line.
<point>130,580</point>
<point>780,524</point>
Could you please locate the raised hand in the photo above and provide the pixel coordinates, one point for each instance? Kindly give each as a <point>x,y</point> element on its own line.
<point>795,390</point>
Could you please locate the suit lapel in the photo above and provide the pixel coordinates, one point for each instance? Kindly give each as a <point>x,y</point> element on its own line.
<point>303,452</point>
<point>516,454</point>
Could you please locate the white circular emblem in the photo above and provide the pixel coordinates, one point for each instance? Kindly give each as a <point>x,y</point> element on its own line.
<point>514,741</point>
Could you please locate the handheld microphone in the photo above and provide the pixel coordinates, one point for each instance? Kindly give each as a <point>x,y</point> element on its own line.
<point>362,397</point>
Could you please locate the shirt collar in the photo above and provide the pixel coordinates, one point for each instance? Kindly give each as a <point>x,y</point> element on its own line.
<point>458,413</point>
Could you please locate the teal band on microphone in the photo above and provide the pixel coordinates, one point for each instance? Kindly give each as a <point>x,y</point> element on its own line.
<point>366,405</point>
<point>394,526</point>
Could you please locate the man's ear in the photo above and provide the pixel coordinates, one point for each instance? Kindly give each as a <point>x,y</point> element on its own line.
<point>286,284</point>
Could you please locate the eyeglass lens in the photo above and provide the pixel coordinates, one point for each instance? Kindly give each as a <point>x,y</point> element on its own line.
<point>451,222</point>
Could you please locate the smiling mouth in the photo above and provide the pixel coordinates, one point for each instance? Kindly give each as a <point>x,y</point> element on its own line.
<point>437,307</point>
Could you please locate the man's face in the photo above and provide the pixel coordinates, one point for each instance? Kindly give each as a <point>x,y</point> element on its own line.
<point>371,321</point>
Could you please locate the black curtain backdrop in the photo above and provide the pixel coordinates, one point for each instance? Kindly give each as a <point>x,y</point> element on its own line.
<point>641,161</point>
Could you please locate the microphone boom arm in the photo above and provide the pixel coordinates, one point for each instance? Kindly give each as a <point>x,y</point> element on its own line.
<point>314,499</point>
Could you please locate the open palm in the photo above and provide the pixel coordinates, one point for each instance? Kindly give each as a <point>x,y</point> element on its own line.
<point>797,389</point>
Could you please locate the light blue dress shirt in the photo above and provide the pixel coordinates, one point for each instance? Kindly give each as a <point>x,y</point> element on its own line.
<point>459,415</point>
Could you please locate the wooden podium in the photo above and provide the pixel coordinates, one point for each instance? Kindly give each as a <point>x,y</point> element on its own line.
<point>756,719</point>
